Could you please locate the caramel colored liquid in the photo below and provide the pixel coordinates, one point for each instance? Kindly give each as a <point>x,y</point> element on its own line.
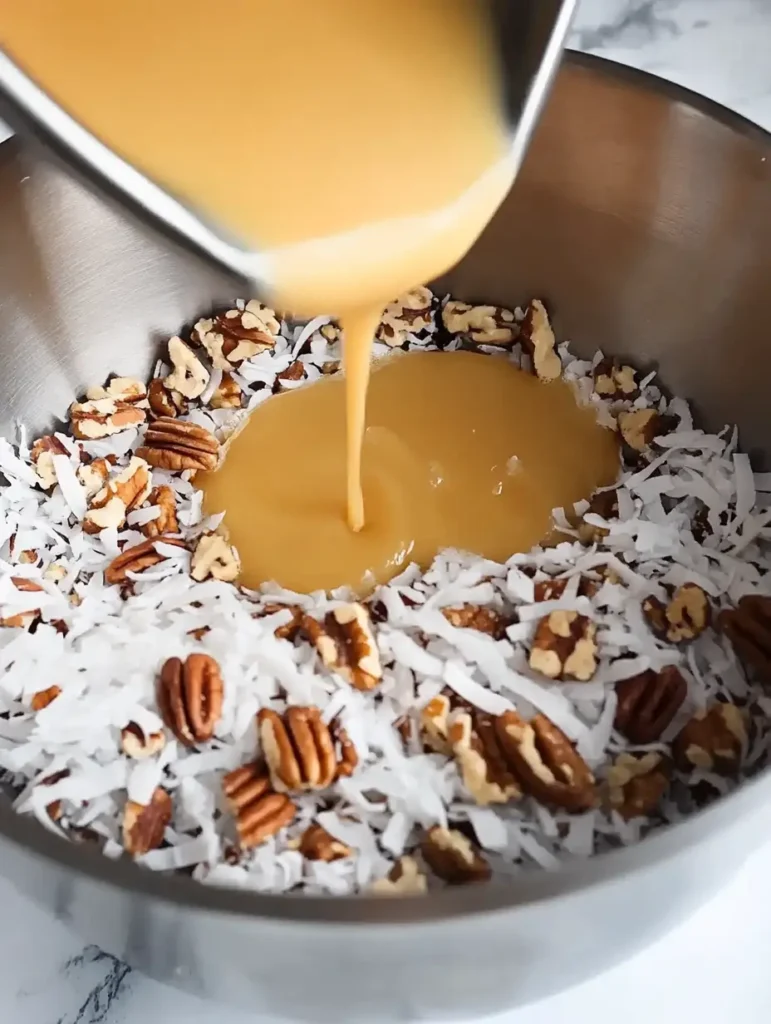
<point>360,145</point>
<point>460,450</point>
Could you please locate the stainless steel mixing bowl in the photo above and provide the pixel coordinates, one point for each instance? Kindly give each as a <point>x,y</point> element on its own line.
<point>643,216</point>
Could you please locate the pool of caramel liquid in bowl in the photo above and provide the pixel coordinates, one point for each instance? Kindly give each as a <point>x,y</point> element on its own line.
<point>460,450</point>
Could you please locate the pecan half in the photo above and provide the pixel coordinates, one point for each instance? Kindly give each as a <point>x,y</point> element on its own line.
<point>137,744</point>
<point>138,558</point>
<point>190,697</point>
<point>346,643</point>
<point>452,857</point>
<point>43,698</point>
<point>317,844</point>
<point>404,879</point>
<point>299,749</point>
<point>236,335</point>
<point>482,325</point>
<point>227,394</point>
<point>636,784</point>
<point>685,617</point>
<point>477,751</point>
<point>126,491</point>
<point>103,417</point>
<point>189,376</point>
<point>640,427</point>
<point>564,647</point>
<point>545,762</point>
<point>164,402</point>
<point>23,620</point>
<point>144,824</point>
<point>614,380</point>
<point>648,702</point>
<point>478,617</point>
<point>176,445</point>
<point>748,627</point>
<point>539,343</point>
<point>409,314</point>
<point>259,812</point>
<point>214,558</point>
<point>166,500</point>
<point>713,740</point>
<point>41,454</point>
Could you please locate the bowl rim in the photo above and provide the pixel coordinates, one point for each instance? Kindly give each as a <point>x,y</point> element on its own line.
<point>433,910</point>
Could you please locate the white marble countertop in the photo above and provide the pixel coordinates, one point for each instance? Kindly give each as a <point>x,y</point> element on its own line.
<point>713,967</point>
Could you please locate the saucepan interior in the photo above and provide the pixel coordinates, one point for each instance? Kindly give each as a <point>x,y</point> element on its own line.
<point>643,217</point>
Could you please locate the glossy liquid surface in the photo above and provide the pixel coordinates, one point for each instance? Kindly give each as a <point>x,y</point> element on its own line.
<point>460,450</point>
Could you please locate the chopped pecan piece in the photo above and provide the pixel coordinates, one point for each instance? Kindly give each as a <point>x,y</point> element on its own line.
<point>164,402</point>
<point>103,417</point>
<point>214,558</point>
<point>227,394</point>
<point>636,784</point>
<point>144,825</point>
<point>23,620</point>
<point>478,617</point>
<point>713,740</point>
<point>43,698</point>
<point>614,380</point>
<point>452,857</point>
<point>166,501</point>
<point>189,376</point>
<point>236,335</point>
<point>121,389</point>
<point>299,749</point>
<point>482,325</point>
<point>564,647</point>
<point>435,724</point>
<point>317,844</point>
<point>347,756</point>
<point>685,617</point>
<point>294,372</point>
<point>259,812</point>
<point>409,314</point>
<point>190,697</point>
<point>41,454</point>
<point>545,762</point>
<point>176,445</point>
<point>602,503</point>
<point>137,744</point>
<point>748,627</point>
<point>290,630</point>
<point>126,491</point>
<point>404,879</point>
<point>94,475</point>
<point>648,702</point>
<point>477,751</point>
<point>138,558</point>
<point>552,590</point>
<point>539,343</point>
<point>640,427</point>
<point>346,643</point>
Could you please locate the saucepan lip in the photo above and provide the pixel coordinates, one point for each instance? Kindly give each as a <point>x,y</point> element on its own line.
<point>185,895</point>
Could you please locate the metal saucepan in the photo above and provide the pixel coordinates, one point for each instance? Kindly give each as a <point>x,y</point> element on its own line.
<point>643,216</point>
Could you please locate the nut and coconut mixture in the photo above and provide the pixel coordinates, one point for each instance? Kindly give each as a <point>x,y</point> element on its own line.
<point>470,721</point>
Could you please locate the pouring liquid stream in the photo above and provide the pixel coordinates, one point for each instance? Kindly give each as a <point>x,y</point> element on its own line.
<point>362,147</point>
